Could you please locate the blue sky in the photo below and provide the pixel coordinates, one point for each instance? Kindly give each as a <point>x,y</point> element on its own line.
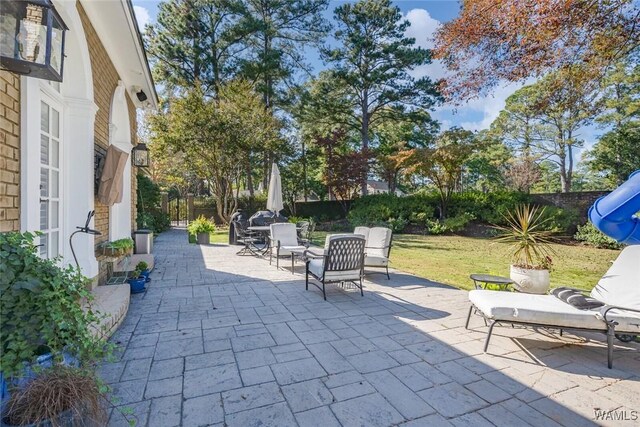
<point>425,17</point>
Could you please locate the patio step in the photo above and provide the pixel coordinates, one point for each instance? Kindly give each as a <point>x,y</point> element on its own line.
<point>129,263</point>
<point>112,302</point>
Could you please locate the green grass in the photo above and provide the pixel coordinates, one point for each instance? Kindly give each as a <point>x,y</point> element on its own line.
<point>451,259</point>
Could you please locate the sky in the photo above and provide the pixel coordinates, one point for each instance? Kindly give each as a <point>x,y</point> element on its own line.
<point>425,17</point>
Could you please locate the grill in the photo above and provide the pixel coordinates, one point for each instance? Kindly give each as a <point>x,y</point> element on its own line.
<point>262,218</point>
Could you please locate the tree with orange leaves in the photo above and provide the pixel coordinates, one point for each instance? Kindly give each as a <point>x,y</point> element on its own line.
<point>505,40</point>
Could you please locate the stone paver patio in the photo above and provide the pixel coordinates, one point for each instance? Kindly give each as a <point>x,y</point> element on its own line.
<point>220,339</point>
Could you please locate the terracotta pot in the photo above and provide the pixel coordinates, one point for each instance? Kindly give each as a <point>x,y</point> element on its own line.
<point>530,281</point>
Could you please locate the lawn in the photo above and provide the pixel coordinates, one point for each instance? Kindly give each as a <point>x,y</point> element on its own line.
<point>451,259</point>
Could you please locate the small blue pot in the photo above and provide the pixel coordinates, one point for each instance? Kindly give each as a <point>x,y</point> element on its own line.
<point>137,284</point>
<point>145,274</point>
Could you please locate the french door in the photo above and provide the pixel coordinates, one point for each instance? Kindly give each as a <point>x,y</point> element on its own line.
<point>50,177</point>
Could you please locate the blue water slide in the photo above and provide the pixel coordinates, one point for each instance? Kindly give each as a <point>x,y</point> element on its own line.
<point>614,214</point>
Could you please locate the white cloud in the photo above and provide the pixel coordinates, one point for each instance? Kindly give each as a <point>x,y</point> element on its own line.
<point>142,16</point>
<point>423,28</point>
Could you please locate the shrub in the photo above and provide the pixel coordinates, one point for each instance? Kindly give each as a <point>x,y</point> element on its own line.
<point>155,221</point>
<point>449,225</point>
<point>592,236</point>
<point>397,225</point>
<point>558,220</point>
<point>41,310</point>
<point>380,208</point>
<point>150,215</point>
<point>201,225</point>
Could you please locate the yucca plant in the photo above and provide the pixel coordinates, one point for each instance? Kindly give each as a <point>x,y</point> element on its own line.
<point>530,242</point>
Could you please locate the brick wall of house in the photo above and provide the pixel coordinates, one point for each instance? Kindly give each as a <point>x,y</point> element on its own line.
<point>105,82</point>
<point>133,119</point>
<point>9,151</point>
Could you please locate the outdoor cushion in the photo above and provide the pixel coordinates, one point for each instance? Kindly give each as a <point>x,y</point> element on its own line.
<point>547,310</point>
<point>375,261</point>
<point>363,231</point>
<point>316,267</point>
<point>286,250</point>
<point>576,298</point>
<point>285,233</point>
<point>620,286</point>
<point>378,242</point>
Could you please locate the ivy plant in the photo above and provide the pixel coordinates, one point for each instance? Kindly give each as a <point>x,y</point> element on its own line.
<point>44,308</point>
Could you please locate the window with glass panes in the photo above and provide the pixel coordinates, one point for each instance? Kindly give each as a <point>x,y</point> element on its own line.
<point>50,182</point>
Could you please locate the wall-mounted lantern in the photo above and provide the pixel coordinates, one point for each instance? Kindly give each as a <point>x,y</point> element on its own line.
<point>32,40</point>
<point>140,156</point>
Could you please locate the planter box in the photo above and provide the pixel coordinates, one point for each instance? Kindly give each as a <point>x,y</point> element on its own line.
<point>202,238</point>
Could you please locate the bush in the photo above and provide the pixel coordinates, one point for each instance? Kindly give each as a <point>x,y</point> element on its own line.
<point>559,220</point>
<point>201,225</point>
<point>150,215</point>
<point>486,207</point>
<point>592,236</point>
<point>380,208</point>
<point>41,310</point>
<point>449,225</point>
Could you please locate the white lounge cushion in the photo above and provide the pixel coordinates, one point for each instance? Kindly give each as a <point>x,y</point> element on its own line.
<point>285,233</point>
<point>378,242</point>
<point>620,286</point>
<point>316,267</point>
<point>375,261</point>
<point>546,310</point>
<point>286,250</point>
<point>363,231</point>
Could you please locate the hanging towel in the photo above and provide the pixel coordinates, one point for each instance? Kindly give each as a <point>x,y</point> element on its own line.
<point>110,191</point>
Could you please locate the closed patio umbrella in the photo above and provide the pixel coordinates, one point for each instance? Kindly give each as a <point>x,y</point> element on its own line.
<point>274,198</point>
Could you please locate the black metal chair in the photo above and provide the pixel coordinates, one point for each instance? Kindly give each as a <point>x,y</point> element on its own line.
<point>343,261</point>
<point>247,238</point>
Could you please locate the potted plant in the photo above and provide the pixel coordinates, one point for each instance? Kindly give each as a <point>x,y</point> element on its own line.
<point>47,317</point>
<point>530,247</point>
<point>201,228</point>
<point>137,282</point>
<point>143,267</point>
<point>60,396</point>
<point>118,247</point>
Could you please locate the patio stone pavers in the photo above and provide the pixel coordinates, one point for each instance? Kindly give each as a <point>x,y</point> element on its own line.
<point>220,339</point>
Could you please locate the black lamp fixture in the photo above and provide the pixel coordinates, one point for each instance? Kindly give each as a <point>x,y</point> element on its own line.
<point>140,156</point>
<point>32,40</point>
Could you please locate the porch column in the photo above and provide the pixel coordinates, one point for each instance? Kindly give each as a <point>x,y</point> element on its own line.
<point>79,117</point>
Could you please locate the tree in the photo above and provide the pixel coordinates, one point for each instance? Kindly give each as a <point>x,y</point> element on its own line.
<point>197,41</point>
<point>216,136</point>
<point>617,154</point>
<point>501,40</point>
<point>443,163</point>
<point>345,168</point>
<point>393,137</point>
<point>546,117</point>
<point>369,69</point>
<point>280,30</point>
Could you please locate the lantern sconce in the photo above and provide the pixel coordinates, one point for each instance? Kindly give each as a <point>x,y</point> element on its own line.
<point>32,40</point>
<point>140,156</point>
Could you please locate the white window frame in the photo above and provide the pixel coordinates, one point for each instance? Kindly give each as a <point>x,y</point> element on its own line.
<point>34,93</point>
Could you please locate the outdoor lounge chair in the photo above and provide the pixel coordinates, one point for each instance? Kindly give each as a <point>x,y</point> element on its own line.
<point>341,262</point>
<point>378,246</point>
<point>284,241</point>
<point>619,290</point>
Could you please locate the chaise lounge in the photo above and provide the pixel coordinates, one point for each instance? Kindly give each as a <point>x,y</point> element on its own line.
<point>618,290</point>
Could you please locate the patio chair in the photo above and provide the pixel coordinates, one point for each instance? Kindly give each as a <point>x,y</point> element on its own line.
<point>618,291</point>
<point>363,231</point>
<point>284,241</point>
<point>246,238</point>
<point>378,248</point>
<point>305,231</point>
<point>341,262</point>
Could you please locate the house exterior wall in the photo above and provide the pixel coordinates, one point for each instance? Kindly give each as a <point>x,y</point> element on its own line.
<point>105,82</point>
<point>9,151</point>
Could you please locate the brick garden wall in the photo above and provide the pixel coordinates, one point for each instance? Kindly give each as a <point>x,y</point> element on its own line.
<point>579,201</point>
<point>9,152</point>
